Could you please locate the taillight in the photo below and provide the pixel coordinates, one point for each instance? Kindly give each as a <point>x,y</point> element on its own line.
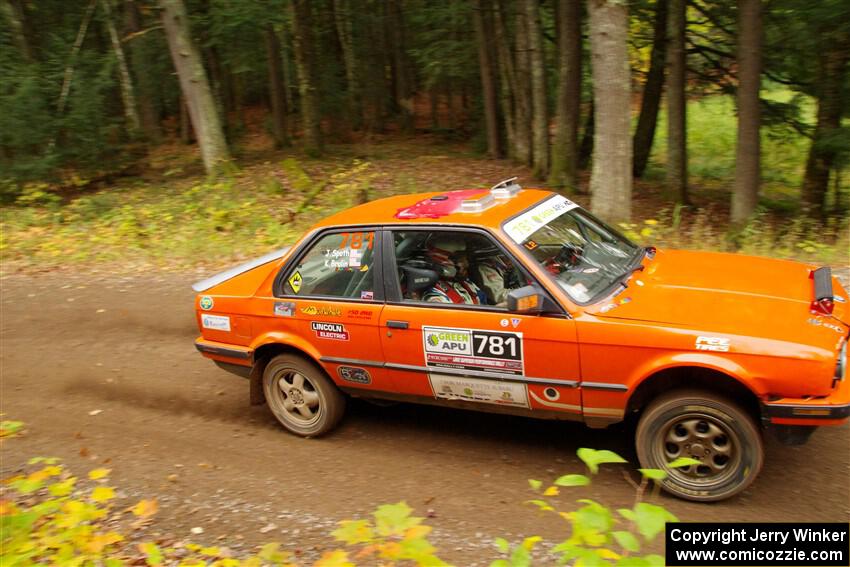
<point>825,305</point>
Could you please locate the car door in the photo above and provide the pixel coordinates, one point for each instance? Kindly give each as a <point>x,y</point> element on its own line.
<point>331,296</point>
<point>471,352</point>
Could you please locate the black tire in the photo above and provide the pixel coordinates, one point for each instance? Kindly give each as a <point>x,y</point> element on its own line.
<point>301,396</point>
<point>707,427</point>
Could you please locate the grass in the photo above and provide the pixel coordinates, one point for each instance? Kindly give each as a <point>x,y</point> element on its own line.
<point>712,131</point>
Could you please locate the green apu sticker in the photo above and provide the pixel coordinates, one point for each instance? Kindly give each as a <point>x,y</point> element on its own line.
<point>207,303</point>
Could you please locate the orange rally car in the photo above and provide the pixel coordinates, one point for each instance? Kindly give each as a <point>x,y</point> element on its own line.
<point>519,301</point>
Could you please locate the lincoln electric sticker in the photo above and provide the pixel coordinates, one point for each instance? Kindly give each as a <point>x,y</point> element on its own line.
<point>333,331</point>
<point>470,349</point>
<point>475,390</point>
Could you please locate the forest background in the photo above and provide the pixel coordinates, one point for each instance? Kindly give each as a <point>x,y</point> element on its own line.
<point>183,133</point>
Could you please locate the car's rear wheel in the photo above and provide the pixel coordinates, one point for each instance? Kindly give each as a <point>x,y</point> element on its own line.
<point>301,396</point>
<point>708,428</point>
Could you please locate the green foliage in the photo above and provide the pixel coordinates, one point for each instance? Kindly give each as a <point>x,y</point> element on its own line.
<point>50,517</point>
<point>598,536</point>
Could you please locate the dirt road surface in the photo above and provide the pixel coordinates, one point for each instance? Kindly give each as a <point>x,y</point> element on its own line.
<point>173,426</point>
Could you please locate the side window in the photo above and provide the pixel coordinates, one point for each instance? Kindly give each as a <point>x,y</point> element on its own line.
<point>453,267</point>
<point>338,265</point>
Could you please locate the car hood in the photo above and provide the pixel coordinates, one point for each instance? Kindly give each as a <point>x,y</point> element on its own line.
<point>729,294</point>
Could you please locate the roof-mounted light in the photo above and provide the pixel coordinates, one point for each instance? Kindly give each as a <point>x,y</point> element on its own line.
<point>478,204</point>
<point>465,201</point>
<point>506,189</point>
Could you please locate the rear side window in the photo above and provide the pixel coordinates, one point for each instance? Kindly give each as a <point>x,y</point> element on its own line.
<point>338,265</point>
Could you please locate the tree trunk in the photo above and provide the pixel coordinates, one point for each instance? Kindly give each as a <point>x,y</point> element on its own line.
<point>483,36</point>
<point>195,87</point>
<point>344,27</point>
<point>147,88</point>
<point>72,58</point>
<point>611,177</point>
<point>539,110</point>
<point>128,97</point>
<point>401,71</point>
<point>303,43</point>
<point>832,63</point>
<point>277,87</point>
<point>15,19</point>
<point>564,170</point>
<point>651,100</point>
<point>186,134</point>
<point>748,150</point>
<point>585,151</point>
<point>677,121</point>
<point>522,91</point>
<point>507,80</point>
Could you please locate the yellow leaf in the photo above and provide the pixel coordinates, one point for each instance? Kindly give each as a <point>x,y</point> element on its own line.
<point>607,554</point>
<point>98,474</point>
<point>336,558</point>
<point>102,494</point>
<point>651,222</point>
<point>7,508</point>
<point>551,491</point>
<point>145,508</point>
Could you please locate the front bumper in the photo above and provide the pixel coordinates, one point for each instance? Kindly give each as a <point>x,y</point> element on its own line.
<point>833,409</point>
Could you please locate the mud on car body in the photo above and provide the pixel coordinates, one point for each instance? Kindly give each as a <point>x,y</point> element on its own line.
<point>518,301</point>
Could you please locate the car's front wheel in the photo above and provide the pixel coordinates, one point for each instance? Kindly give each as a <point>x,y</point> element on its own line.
<point>301,396</point>
<point>706,427</point>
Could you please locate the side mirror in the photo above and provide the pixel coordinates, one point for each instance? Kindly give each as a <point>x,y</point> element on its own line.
<point>530,299</point>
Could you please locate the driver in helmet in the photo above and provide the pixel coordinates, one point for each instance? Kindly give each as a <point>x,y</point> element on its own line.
<point>450,259</point>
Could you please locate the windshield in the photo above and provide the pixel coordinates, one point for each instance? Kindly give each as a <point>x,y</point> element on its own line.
<point>583,254</point>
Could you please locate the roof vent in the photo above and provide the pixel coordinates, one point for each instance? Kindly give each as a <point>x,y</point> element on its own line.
<point>506,189</point>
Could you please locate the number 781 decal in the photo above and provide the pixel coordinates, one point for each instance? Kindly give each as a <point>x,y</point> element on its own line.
<point>472,349</point>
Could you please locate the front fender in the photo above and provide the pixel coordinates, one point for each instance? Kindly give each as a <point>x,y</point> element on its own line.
<point>708,361</point>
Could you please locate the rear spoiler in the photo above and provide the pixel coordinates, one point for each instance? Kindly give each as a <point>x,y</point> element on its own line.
<point>220,277</point>
<point>823,295</point>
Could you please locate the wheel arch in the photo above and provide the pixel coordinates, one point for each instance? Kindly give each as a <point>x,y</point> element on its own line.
<point>271,347</point>
<point>693,377</point>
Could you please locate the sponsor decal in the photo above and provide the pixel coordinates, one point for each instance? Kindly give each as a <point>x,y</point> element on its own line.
<point>284,308</point>
<point>367,295</point>
<point>325,311</point>
<point>359,314</point>
<point>501,393</point>
<point>520,228</point>
<point>716,344</point>
<point>639,282</point>
<point>531,245</point>
<point>473,349</point>
<point>515,322</point>
<point>354,374</point>
<point>207,303</point>
<point>820,323</point>
<point>295,281</point>
<point>607,308</point>
<point>333,331</point>
<point>504,323</point>
<point>215,322</point>
<point>625,300</point>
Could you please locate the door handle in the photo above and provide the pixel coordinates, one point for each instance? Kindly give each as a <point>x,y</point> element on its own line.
<point>397,324</point>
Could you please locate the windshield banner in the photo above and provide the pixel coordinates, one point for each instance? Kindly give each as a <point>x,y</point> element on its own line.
<point>529,222</point>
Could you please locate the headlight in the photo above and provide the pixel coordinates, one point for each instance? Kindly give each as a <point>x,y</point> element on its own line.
<point>841,364</point>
